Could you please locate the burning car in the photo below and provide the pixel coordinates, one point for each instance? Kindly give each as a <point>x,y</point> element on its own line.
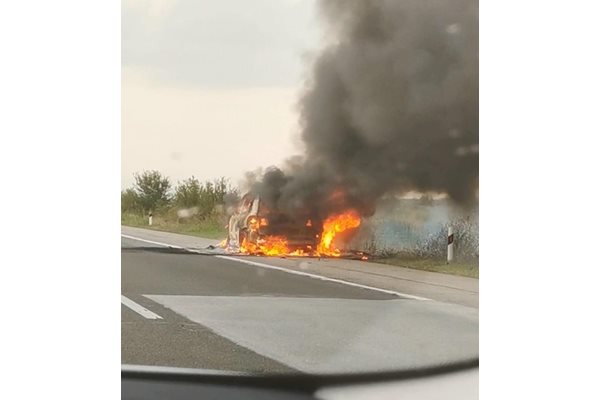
<point>257,228</point>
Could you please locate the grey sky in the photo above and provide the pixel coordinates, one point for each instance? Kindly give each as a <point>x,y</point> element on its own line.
<point>209,87</point>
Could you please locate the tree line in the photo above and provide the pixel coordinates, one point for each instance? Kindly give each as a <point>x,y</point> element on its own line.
<point>153,192</point>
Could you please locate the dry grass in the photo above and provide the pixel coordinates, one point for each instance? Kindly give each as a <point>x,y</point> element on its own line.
<point>462,268</point>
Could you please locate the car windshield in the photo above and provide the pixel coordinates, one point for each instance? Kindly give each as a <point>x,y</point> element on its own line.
<point>299,185</point>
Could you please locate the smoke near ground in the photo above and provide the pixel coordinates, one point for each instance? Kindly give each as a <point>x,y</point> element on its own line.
<point>418,228</point>
<point>391,106</point>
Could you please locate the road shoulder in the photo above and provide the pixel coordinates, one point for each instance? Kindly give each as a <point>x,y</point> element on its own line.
<point>432,285</point>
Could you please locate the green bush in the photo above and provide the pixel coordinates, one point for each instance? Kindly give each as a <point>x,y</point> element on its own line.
<point>152,190</point>
<point>130,202</point>
<point>193,207</point>
<point>203,197</point>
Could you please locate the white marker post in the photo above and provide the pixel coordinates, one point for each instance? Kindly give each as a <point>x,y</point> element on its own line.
<point>450,244</point>
<point>150,219</point>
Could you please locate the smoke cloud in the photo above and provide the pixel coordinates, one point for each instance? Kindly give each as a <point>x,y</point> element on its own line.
<point>391,106</point>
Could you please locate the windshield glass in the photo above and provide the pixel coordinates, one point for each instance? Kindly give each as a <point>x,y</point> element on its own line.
<point>299,185</point>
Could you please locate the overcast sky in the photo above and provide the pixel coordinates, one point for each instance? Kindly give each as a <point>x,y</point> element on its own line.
<point>209,88</point>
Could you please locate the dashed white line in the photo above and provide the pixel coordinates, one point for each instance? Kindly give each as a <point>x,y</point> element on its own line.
<point>144,312</point>
<point>289,271</point>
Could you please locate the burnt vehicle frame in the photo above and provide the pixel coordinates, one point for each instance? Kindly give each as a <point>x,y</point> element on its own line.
<point>255,219</point>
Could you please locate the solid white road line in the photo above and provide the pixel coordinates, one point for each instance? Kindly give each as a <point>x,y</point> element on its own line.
<point>322,278</point>
<point>144,312</point>
<point>290,271</point>
<point>150,241</point>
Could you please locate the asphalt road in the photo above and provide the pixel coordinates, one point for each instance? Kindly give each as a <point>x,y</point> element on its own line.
<point>269,315</point>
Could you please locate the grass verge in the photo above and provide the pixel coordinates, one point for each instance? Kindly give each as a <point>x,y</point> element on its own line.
<point>209,229</point>
<point>461,268</point>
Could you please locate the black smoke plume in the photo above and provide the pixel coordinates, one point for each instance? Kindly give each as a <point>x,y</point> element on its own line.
<point>391,106</point>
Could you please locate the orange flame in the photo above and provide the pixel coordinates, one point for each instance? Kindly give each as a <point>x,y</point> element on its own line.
<point>332,226</point>
<point>278,245</point>
<point>269,246</point>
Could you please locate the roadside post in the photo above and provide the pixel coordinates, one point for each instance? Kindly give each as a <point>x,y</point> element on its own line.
<point>150,219</point>
<point>450,244</point>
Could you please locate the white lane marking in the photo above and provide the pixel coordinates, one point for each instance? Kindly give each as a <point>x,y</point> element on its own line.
<point>290,271</point>
<point>181,371</point>
<point>150,241</point>
<point>144,312</point>
<point>322,278</point>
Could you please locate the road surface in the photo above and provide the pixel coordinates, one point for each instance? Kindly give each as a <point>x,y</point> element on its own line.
<point>272,315</point>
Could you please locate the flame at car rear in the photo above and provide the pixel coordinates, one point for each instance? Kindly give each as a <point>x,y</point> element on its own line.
<point>332,226</point>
